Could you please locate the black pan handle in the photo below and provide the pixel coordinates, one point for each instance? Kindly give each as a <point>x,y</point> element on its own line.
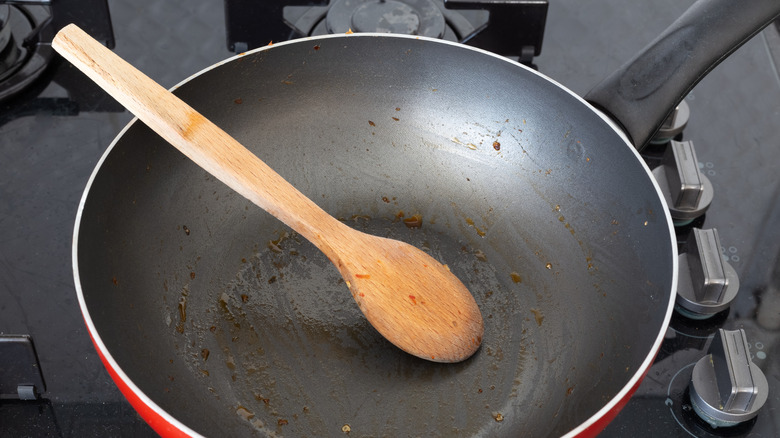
<point>642,93</point>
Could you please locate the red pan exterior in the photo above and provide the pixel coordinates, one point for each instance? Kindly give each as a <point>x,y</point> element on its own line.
<point>160,425</point>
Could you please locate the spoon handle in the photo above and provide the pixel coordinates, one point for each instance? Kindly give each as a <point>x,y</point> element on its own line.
<point>195,136</point>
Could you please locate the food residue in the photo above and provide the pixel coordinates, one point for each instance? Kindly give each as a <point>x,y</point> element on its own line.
<point>415,221</point>
<point>186,230</point>
<point>470,222</point>
<point>538,316</point>
<point>371,123</point>
<point>358,217</point>
<point>183,308</point>
<point>238,101</point>
<point>497,145</point>
<point>244,413</point>
<point>471,146</point>
<point>413,298</point>
<point>346,429</point>
<point>230,362</point>
<point>516,278</point>
<point>273,245</point>
<point>498,417</point>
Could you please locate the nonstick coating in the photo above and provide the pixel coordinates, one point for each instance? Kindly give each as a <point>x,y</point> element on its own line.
<point>233,324</point>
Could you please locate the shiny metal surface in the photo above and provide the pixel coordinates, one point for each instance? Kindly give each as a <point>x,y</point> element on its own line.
<point>726,387</point>
<point>708,284</point>
<point>687,191</point>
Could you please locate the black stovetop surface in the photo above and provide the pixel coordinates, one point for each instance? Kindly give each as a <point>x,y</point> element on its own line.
<point>49,146</point>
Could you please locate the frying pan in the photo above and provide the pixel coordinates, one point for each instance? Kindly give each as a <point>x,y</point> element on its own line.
<point>214,319</point>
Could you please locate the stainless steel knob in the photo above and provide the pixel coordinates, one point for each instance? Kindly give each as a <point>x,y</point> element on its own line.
<point>726,387</point>
<point>707,284</point>
<point>687,192</point>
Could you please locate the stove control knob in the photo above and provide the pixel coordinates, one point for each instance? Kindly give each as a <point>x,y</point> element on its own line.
<point>688,193</point>
<point>674,124</point>
<point>711,283</point>
<point>727,388</point>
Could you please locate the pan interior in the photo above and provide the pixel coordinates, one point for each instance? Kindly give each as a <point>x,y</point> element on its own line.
<point>233,324</point>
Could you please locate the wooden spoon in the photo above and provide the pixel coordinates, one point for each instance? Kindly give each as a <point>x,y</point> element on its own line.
<point>410,298</point>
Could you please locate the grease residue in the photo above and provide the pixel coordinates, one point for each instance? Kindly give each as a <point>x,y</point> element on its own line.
<point>538,316</point>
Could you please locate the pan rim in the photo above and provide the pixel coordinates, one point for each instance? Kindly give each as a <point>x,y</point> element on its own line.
<point>115,370</point>
<point>591,426</point>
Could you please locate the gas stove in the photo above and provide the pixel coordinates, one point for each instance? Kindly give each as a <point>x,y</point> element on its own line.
<point>54,126</point>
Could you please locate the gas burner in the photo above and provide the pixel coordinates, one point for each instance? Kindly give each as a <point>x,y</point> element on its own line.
<point>26,30</point>
<point>410,17</point>
<point>9,53</point>
<point>512,28</point>
<point>22,59</point>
